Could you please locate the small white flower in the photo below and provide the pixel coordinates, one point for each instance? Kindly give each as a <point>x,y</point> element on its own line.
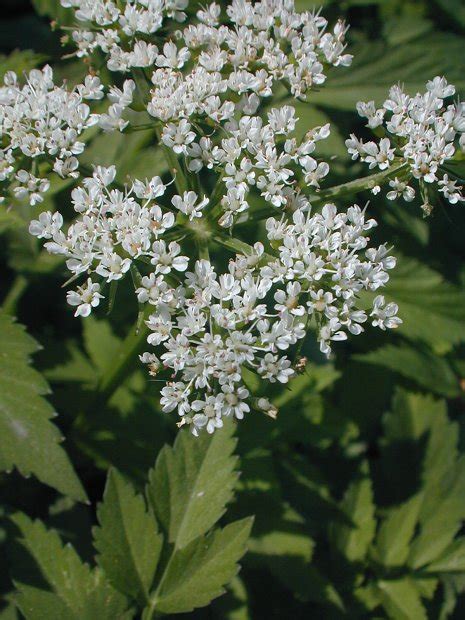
<point>188,204</point>
<point>85,298</point>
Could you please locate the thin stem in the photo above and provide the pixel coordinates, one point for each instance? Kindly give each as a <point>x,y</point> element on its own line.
<point>14,294</point>
<point>125,358</point>
<point>202,249</point>
<point>231,243</point>
<point>358,185</point>
<point>174,164</point>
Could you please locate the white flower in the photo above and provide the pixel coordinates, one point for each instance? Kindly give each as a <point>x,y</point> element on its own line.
<point>46,226</point>
<point>85,298</point>
<point>384,315</point>
<point>400,188</point>
<point>41,119</point>
<point>178,137</point>
<point>166,257</point>
<point>188,205</point>
<point>450,189</point>
<point>172,57</point>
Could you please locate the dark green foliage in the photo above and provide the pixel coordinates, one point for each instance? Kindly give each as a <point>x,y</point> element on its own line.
<point>357,489</point>
<point>139,569</point>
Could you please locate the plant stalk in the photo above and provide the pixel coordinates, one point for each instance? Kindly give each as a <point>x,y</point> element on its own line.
<point>15,293</point>
<point>125,357</point>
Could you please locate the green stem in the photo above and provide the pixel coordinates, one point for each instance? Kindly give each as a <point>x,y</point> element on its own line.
<point>174,164</point>
<point>231,243</point>
<point>202,249</point>
<point>14,294</point>
<point>358,185</point>
<point>125,358</point>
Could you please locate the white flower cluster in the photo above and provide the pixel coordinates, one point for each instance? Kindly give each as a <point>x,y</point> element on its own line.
<point>114,227</point>
<point>213,326</point>
<point>42,122</point>
<point>265,41</point>
<point>210,325</point>
<point>421,132</point>
<point>262,155</point>
<point>120,29</point>
<point>41,119</point>
<point>216,75</point>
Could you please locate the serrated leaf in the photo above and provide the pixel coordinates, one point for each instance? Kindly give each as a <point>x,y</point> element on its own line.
<point>451,560</point>
<point>76,591</point>
<point>199,572</point>
<point>353,541</point>
<point>234,605</point>
<point>127,539</point>
<point>419,365</point>
<point>192,482</point>
<point>396,532</point>
<point>402,600</point>
<point>432,309</point>
<point>28,440</point>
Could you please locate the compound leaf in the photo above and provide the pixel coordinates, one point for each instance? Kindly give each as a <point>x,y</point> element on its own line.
<point>75,591</point>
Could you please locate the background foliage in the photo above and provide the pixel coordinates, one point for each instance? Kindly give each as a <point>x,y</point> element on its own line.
<point>357,489</point>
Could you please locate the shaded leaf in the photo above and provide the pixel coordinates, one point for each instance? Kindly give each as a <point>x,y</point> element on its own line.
<point>101,343</point>
<point>451,560</point>
<point>402,600</point>
<point>396,532</point>
<point>76,591</point>
<point>419,365</point>
<point>28,440</point>
<point>353,541</point>
<point>432,310</point>
<point>377,66</point>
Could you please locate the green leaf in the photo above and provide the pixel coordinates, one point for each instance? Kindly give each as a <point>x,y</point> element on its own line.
<point>454,8</point>
<point>353,541</point>
<point>28,440</point>
<point>234,605</point>
<point>128,540</point>
<point>439,528</point>
<point>54,10</point>
<point>432,310</point>
<point>198,573</point>
<point>396,532</point>
<point>101,343</point>
<point>421,425</point>
<point>419,365</point>
<point>192,482</point>
<point>20,61</point>
<point>451,560</point>
<point>309,116</point>
<point>75,367</point>
<point>377,66</point>
<point>402,600</point>
<point>76,591</point>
